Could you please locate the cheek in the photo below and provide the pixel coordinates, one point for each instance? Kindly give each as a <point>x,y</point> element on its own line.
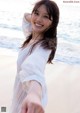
<point>49,24</point>
<point>32,18</point>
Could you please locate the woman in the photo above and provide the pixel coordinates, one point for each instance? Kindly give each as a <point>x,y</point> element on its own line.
<point>39,48</point>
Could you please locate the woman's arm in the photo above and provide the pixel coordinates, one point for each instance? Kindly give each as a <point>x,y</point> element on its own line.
<point>35,88</point>
<point>26,24</point>
<point>27,16</point>
<point>32,102</point>
<point>32,74</point>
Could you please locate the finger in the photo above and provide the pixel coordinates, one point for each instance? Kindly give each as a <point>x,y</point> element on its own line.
<point>35,108</point>
<point>30,110</point>
<point>39,109</point>
<point>24,109</point>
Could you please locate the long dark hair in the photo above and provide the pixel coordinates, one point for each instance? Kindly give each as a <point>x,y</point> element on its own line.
<point>49,40</point>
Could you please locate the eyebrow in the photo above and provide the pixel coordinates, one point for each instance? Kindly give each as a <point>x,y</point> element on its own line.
<point>44,13</point>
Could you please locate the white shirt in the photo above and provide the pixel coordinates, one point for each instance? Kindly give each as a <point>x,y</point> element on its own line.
<point>29,67</point>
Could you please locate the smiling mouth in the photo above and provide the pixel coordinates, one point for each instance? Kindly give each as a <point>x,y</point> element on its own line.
<point>38,25</point>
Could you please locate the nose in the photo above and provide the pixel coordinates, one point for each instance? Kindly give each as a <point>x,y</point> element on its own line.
<point>39,19</point>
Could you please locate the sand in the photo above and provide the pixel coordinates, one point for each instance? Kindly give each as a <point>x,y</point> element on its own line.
<point>63,82</point>
<point>7,77</point>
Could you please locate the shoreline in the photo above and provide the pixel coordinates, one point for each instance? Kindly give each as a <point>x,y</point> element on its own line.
<point>57,58</point>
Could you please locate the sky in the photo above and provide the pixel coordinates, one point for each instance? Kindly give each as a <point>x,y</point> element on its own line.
<point>25,5</point>
<point>13,4</point>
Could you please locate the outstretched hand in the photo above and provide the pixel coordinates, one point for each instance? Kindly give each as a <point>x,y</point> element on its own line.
<point>32,104</point>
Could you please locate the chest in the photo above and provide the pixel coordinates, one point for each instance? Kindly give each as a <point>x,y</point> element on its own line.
<point>23,54</point>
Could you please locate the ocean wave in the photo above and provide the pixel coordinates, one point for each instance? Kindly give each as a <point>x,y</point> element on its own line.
<point>10,43</point>
<point>13,27</point>
<point>66,52</point>
<point>68,49</point>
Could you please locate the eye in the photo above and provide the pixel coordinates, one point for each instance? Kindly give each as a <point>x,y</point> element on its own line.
<point>36,13</point>
<point>46,16</point>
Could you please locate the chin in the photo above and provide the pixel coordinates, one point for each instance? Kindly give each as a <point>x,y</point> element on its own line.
<point>37,31</point>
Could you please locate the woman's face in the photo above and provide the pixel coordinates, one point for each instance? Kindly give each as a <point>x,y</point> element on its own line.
<point>40,20</point>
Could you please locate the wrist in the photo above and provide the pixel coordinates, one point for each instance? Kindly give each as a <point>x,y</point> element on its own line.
<point>35,89</point>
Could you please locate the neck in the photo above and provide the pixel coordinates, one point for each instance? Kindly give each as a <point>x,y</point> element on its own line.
<point>36,36</point>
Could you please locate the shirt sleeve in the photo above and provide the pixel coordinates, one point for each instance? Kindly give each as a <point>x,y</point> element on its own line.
<point>33,69</point>
<point>26,27</point>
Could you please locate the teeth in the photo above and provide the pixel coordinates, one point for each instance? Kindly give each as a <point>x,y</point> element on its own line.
<point>38,25</point>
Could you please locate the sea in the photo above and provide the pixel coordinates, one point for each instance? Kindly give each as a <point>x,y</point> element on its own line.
<point>68,32</point>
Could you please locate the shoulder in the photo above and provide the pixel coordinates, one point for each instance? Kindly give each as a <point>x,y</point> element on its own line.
<point>41,52</point>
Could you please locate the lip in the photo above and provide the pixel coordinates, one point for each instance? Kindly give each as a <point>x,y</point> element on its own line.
<point>38,25</point>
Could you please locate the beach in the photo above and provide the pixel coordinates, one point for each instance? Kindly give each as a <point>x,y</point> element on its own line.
<point>62,77</point>
<point>7,77</point>
<point>63,82</point>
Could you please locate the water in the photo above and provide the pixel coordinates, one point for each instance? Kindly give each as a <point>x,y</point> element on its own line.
<point>68,35</point>
<point>68,49</point>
